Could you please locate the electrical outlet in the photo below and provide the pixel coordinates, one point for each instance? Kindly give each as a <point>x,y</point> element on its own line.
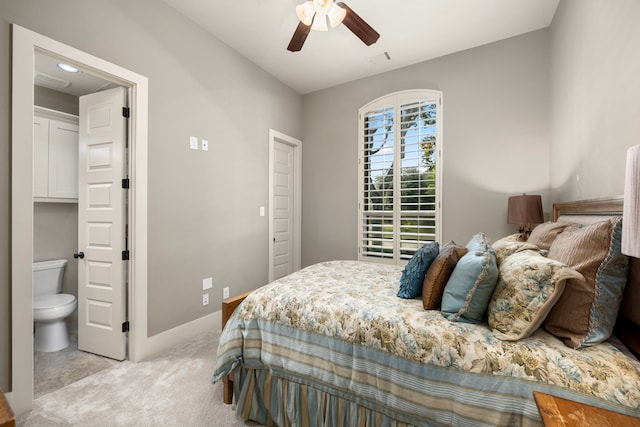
<point>207,283</point>
<point>205,299</point>
<point>225,293</point>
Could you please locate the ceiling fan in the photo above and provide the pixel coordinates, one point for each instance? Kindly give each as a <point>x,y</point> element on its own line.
<point>314,14</point>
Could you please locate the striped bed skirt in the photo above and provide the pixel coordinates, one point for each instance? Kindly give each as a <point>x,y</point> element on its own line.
<point>275,401</point>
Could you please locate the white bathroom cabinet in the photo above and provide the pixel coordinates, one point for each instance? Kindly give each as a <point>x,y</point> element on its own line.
<point>55,156</point>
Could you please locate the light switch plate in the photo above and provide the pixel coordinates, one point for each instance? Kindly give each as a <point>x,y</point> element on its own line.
<point>225,292</point>
<point>205,145</point>
<point>262,213</point>
<point>193,142</point>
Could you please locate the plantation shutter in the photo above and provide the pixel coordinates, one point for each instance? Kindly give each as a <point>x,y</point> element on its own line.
<point>378,163</point>
<point>398,175</point>
<point>417,174</point>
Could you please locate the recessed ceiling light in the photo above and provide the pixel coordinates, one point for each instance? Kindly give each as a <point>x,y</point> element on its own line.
<point>68,68</point>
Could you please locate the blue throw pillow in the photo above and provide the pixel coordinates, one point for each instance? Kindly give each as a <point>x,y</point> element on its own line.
<point>470,286</point>
<point>413,273</point>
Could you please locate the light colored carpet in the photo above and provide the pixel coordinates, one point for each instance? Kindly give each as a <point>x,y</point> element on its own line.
<point>171,389</point>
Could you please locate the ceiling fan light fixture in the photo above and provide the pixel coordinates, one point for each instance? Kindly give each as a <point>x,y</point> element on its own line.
<point>314,14</point>
<point>320,23</point>
<point>305,12</point>
<point>322,7</point>
<point>336,15</point>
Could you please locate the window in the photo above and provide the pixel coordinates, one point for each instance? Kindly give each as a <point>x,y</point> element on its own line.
<point>400,141</point>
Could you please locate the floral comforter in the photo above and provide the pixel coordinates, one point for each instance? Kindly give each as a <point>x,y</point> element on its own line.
<point>350,307</point>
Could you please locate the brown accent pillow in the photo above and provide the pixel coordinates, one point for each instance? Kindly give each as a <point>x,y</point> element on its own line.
<point>586,312</point>
<point>544,234</point>
<point>438,274</point>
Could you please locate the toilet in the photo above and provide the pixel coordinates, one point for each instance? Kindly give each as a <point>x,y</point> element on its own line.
<point>50,307</point>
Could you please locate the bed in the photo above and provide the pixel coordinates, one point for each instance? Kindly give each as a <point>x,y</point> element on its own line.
<point>333,345</point>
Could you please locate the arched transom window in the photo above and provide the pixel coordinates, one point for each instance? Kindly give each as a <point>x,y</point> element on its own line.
<point>400,156</point>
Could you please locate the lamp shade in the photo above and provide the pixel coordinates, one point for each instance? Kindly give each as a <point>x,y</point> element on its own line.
<point>631,207</point>
<point>525,209</point>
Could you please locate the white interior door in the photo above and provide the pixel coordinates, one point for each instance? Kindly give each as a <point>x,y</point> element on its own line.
<point>101,224</point>
<point>283,205</point>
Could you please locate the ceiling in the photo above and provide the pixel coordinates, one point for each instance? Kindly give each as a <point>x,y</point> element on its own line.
<point>411,31</point>
<point>49,75</point>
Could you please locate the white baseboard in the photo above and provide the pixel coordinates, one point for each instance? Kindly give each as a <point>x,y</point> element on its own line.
<point>9,397</point>
<point>180,334</point>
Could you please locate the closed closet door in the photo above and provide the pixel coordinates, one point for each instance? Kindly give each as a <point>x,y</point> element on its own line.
<point>283,205</point>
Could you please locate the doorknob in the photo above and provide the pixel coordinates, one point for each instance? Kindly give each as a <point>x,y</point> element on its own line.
<point>78,255</point>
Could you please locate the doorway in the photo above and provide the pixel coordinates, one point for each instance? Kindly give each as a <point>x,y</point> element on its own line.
<point>79,205</point>
<point>25,44</point>
<point>285,204</point>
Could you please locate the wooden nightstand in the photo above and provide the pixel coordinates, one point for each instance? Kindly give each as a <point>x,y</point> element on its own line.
<point>556,411</point>
<point>7,419</point>
<point>228,307</point>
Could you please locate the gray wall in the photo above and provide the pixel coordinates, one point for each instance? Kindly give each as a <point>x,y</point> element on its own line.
<point>54,100</point>
<point>496,142</point>
<point>595,86</point>
<point>203,207</point>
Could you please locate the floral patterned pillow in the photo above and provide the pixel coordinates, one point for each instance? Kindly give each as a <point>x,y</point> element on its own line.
<point>509,245</point>
<point>528,287</point>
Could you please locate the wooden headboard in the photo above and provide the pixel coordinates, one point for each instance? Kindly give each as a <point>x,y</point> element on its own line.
<point>588,211</point>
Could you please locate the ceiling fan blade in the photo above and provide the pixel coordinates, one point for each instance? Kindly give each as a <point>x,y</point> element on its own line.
<point>299,37</point>
<point>358,26</point>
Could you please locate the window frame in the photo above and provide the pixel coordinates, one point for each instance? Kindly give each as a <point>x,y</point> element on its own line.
<point>395,101</point>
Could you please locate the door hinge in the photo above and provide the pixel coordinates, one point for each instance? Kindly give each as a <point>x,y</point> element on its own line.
<point>125,326</point>
<point>126,112</point>
<point>125,255</point>
<point>125,183</point>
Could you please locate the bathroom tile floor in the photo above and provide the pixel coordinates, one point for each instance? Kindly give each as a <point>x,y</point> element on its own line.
<point>52,371</point>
